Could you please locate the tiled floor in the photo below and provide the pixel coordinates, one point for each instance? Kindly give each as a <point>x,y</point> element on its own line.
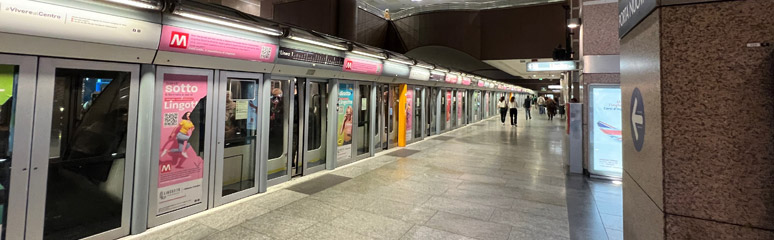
<point>484,181</point>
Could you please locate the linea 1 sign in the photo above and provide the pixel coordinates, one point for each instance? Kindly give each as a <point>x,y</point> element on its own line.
<point>632,12</point>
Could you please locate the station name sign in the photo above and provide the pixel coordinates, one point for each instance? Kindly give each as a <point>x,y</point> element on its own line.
<point>632,12</point>
<point>551,66</point>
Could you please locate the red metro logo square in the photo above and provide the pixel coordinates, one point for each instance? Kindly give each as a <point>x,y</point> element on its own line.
<point>179,40</point>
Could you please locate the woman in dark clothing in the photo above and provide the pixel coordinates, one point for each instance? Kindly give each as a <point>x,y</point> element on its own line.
<point>551,106</point>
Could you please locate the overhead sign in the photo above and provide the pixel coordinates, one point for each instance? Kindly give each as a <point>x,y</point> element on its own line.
<point>632,12</point>
<point>437,76</point>
<point>638,119</point>
<point>551,66</point>
<point>310,57</point>
<point>54,21</point>
<point>362,66</point>
<point>451,78</point>
<point>465,81</point>
<point>175,39</point>
<point>418,73</point>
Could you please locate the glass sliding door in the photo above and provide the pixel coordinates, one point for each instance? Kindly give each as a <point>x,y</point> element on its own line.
<point>430,101</point>
<point>280,103</point>
<point>418,108</point>
<point>17,85</point>
<point>363,117</point>
<point>316,126</point>
<point>394,103</point>
<point>238,131</point>
<point>382,115</point>
<point>83,161</point>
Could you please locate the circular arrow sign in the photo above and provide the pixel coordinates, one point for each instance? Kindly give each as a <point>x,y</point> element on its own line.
<point>638,119</point>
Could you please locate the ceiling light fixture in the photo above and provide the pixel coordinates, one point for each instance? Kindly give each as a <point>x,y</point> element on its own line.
<point>145,4</point>
<point>425,65</point>
<point>318,43</point>
<point>573,23</point>
<point>554,87</point>
<point>373,55</point>
<point>228,22</point>
<point>397,60</point>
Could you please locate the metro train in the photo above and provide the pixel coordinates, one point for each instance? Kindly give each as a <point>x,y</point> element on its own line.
<point>119,116</point>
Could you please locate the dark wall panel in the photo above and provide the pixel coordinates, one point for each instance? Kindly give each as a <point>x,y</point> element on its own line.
<point>455,29</point>
<point>318,15</point>
<point>521,33</point>
<point>371,29</point>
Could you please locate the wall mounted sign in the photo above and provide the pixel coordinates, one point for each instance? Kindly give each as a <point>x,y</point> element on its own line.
<point>632,12</point>
<point>451,78</point>
<point>551,66</point>
<point>175,39</point>
<point>362,66</point>
<point>310,57</point>
<point>465,81</point>
<point>480,83</point>
<point>638,119</point>
<point>54,21</point>
<point>418,73</point>
<point>434,76</point>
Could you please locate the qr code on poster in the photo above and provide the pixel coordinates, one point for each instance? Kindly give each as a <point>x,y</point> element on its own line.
<point>265,52</point>
<point>170,119</point>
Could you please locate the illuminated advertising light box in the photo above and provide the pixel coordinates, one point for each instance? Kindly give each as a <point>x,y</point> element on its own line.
<point>605,140</point>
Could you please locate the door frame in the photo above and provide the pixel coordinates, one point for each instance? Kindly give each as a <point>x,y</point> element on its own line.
<point>20,161</point>
<point>40,157</point>
<point>155,219</point>
<point>266,93</point>
<point>305,119</point>
<point>221,86</point>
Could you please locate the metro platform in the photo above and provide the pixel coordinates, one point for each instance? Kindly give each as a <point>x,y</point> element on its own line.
<point>481,181</point>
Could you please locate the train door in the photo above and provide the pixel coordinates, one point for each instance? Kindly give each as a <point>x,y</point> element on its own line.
<point>460,107</point>
<point>281,127</point>
<point>238,129</point>
<point>447,109</point>
<point>382,116</point>
<point>454,109</point>
<point>315,145</point>
<point>82,168</point>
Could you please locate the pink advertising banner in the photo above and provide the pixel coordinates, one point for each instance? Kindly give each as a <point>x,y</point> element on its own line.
<point>409,114</point>
<point>450,78</point>
<point>175,39</point>
<point>465,81</point>
<point>180,167</point>
<point>480,83</point>
<point>362,66</point>
<point>448,106</point>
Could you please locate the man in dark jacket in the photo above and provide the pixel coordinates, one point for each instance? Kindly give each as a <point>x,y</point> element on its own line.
<point>527,105</point>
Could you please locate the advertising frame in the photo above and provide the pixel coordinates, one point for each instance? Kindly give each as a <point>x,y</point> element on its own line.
<point>610,130</point>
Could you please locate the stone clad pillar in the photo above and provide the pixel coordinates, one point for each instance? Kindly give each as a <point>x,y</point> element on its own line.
<point>697,81</point>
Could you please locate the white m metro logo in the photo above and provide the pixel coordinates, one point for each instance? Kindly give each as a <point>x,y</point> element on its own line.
<point>179,40</point>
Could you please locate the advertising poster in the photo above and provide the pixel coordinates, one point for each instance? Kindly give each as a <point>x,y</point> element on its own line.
<point>606,134</point>
<point>448,106</point>
<point>409,114</point>
<point>182,40</point>
<point>346,111</point>
<point>362,66</point>
<point>180,166</point>
<point>459,108</point>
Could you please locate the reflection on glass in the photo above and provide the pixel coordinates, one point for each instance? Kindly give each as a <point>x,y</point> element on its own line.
<point>278,126</point>
<point>88,148</point>
<point>385,115</point>
<point>430,123</point>
<point>297,98</point>
<point>363,120</point>
<point>8,80</point>
<point>444,113</point>
<point>318,118</point>
<point>453,109</point>
<point>240,138</point>
<point>417,113</point>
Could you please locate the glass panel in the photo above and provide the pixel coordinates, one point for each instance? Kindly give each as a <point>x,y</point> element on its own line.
<point>394,103</point>
<point>385,115</point>
<point>418,112</point>
<point>345,113</point>
<point>318,118</point>
<point>429,130</point>
<point>298,93</point>
<point>88,148</point>
<point>363,120</point>
<point>241,135</point>
<point>9,75</point>
<point>279,104</point>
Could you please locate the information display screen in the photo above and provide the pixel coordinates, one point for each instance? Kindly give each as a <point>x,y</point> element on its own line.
<point>606,148</point>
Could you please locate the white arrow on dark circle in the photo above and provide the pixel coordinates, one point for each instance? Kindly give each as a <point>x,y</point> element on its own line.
<point>636,119</point>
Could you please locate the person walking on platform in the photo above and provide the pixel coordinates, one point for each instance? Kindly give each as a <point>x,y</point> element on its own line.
<point>527,106</point>
<point>503,106</point>
<point>551,106</point>
<point>513,110</point>
<point>541,102</point>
